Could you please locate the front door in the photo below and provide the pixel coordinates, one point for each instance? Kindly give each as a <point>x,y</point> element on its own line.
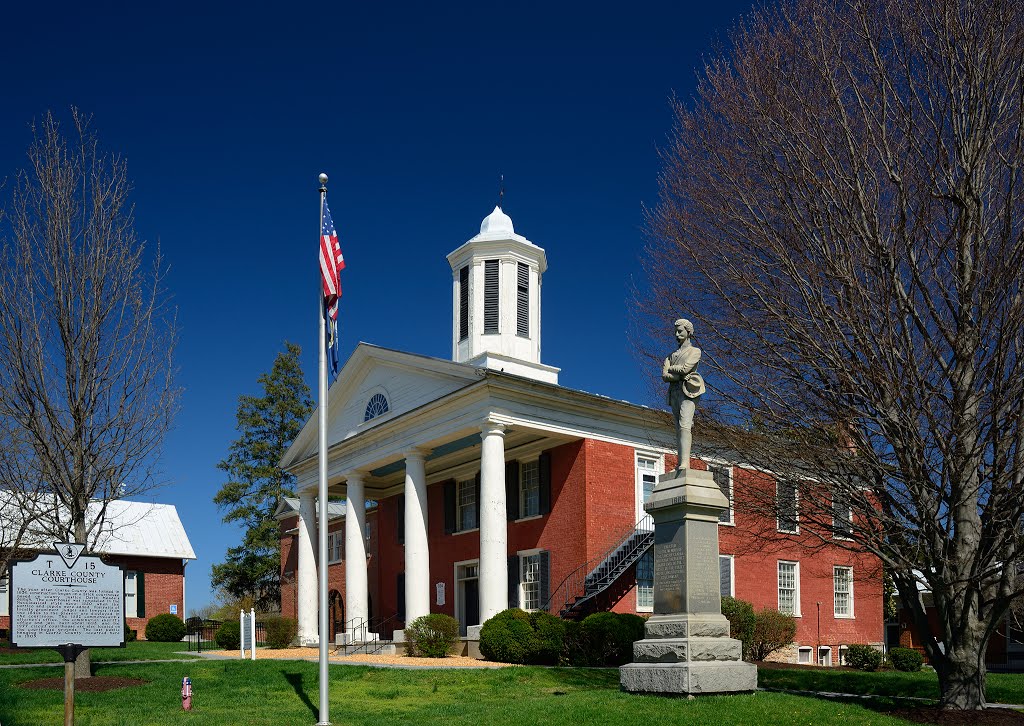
<point>337,615</point>
<point>468,594</point>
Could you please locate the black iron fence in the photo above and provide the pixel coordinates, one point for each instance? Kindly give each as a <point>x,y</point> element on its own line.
<point>201,634</point>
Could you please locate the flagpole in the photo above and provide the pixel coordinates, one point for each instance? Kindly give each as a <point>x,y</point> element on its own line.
<point>322,457</point>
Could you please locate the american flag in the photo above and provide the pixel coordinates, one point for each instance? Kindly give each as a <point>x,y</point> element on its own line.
<point>332,262</point>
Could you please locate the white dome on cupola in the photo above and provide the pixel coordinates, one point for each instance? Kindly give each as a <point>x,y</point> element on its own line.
<point>497,221</point>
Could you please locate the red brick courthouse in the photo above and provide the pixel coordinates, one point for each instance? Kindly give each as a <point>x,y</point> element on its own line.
<point>491,486</point>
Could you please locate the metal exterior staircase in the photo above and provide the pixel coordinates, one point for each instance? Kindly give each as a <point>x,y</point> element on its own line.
<point>575,597</point>
<point>369,636</point>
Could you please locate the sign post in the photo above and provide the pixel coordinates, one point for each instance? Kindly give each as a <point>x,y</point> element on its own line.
<point>68,602</point>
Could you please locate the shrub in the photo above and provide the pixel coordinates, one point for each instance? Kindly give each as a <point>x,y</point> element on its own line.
<point>507,637</point>
<point>165,628</point>
<point>608,638</point>
<point>431,636</point>
<point>129,634</point>
<point>906,659</point>
<point>864,657</point>
<point>741,621</point>
<point>772,631</point>
<point>229,635</point>
<point>280,632</point>
<point>549,641</point>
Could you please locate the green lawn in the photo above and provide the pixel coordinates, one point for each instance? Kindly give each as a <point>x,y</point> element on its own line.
<point>285,693</point>
<point>1002,687</point>
<point>139,650</point>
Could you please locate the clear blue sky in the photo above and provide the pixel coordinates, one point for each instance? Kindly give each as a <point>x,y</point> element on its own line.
<point>226,118</point>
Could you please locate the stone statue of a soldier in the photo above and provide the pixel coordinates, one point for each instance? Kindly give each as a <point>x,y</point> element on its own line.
<point>685,387</point>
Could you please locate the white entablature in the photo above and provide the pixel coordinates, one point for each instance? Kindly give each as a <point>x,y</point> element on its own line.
<point>496,311</point>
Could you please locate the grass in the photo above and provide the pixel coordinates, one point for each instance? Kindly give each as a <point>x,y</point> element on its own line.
<point>285,692</point>
<point>1001,687</point>
<point>138,650</point>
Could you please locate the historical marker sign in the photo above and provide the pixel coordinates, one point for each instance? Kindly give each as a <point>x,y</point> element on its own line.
<point>65,597</point>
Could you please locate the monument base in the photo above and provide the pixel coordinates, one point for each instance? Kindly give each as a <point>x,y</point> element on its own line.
<point>688,654</point>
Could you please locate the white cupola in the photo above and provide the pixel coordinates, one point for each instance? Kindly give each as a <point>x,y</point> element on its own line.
<point>496,300</point>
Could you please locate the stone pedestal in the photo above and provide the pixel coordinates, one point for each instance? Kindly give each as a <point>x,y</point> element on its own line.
<point>687,650</point>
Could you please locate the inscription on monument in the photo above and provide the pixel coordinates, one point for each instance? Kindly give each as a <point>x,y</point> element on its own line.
<point>669,567</point>
<point>53,604</point>
<point>703,586</point>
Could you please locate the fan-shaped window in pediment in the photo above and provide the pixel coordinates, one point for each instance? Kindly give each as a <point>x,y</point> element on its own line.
<point>377,405</point>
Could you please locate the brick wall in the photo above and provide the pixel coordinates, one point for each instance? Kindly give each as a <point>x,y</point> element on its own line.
<point>163,585</point>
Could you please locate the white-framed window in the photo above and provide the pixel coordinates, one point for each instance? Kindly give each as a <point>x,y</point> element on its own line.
<point>723,478</point>
<point>645,582</point>
<point>842,515</point>
<point>377,405</point>
<point>529,489</point>
<point>804,655</point>
<point>842,578</point>
<point>4,597</point>
<point>789,587</point>
<point>466,505</point>
<point>786,498</point>
<point>529,580</point>
<point>825,656</point>
<point>726,573</point>
<point>843,650</point>
<point>131,592</point>
<point>335,546</point>
<point>648,466</point>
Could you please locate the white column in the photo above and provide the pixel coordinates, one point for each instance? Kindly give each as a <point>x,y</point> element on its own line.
<point>493,522</point>
<point>306,582</point>
<point>417,554</point>
<point>356,610</point>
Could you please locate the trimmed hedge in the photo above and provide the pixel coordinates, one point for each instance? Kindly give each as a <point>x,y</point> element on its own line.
<point>431,636</point>
<point>229,635</point>
<point>741,621</point>
<point>507,637</point>
<point>280,632</point>
<point>609,637</point>
<point>907,660</point>
<point>773,631</point>
<point>864,657</point>
<point>165,628</point>
<point>549,642</point>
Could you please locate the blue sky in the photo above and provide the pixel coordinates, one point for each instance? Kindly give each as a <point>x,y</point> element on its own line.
<point>227,116</point>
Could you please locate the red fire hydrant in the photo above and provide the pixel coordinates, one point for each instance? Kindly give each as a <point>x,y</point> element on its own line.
<point>186,693</point>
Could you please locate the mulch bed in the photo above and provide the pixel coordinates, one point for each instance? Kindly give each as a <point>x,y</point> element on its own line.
<point>96,684</point>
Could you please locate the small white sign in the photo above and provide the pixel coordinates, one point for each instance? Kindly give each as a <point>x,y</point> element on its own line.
<point>440,593</point>
<point>174,608</point>
<point>54,603</point>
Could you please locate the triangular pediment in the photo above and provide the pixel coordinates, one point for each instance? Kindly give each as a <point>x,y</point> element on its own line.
<point>371,379</point>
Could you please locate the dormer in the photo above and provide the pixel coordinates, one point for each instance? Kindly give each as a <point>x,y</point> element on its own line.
<point>496,279</point>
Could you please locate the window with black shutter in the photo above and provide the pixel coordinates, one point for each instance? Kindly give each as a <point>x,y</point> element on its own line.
<point>491,289</point>
<point>464,303</point>
<point>523,300</point>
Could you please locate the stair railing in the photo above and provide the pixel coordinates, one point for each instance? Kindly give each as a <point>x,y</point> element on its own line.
<point>574,585</point>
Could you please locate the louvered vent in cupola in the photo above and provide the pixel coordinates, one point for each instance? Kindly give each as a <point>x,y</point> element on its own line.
<point>491,289</point>
<point>464,302</point>
<point>523,300</point>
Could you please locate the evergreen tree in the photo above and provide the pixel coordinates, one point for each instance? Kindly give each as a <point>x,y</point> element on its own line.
<point>267,425</point>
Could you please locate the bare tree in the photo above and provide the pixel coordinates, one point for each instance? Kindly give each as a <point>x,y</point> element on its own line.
<point>841,212</point>
<point>86,337</point>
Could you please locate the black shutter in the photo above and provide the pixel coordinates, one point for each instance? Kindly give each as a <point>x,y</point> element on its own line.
<point>140,595</point>
<point>464,303</point>
<point>400,519</point>
<point>544,464</point>
<point>401,595</point>
<point>545,579</point>
<point>476,496</point>
<point>491,287</point>
<point>449,507</point>
<point>512,490</point>
<point>513,581</point>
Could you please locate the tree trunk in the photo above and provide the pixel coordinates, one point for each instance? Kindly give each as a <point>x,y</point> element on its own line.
<point>961,674</point>
<point>83,663</point>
